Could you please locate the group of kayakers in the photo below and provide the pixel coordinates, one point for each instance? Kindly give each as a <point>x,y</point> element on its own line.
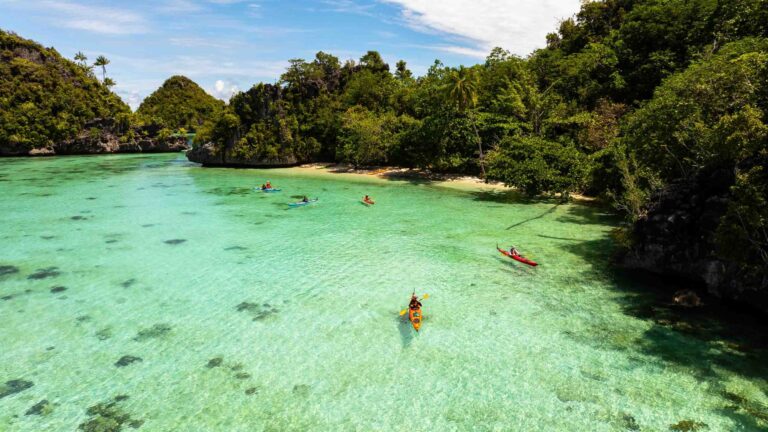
<point>414,306</point>
<point>267,187</point>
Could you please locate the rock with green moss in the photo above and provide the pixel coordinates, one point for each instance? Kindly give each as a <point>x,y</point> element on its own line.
<point>14,386</point>
<point>156,331</point>
<point>109,417</point>
<point>687,426</point>
<point>214,362</point>
<point>41,408</point>
<point>127,360</point>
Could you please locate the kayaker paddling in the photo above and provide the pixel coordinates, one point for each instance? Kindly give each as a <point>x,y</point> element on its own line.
<point>414,311</point>
<point>367,200</point>
<point>415,303</point>
<point>304,202</point>
<point>515,255</point>
<point>268,185</point>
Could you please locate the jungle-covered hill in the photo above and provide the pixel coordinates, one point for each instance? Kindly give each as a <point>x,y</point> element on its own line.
<point>180,104</point>
<point>52,105</point>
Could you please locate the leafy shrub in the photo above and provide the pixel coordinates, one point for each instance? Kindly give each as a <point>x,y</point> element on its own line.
<point>537,166</point>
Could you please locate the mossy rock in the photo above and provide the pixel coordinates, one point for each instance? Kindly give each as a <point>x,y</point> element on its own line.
<point>14,386</point>
<point>687,426</point>
<point>214,362</point>
<point>41,408</point>
<point>156,331</point>
<point>109,417</point>
<point>6,270</point>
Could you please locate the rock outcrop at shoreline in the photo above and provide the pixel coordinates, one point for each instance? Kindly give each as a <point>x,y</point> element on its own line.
<point>106,136</point>
<point>678,238</point>
<point>209,155</point>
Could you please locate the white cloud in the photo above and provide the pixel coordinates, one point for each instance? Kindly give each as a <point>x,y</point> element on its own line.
<point>223,90</point>
<point>97,19</point>
<point>132,97</point>
<point>465,51</point>
<point>516,25</point>
<point>349,6</point>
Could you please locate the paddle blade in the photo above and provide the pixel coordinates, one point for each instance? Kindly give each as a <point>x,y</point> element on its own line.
<point>402,312</point>
<point>426,296</point>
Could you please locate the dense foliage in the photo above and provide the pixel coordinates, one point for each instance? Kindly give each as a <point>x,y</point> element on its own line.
<point>179,104</point>
<point>628,96</point>
<point>45,98</point>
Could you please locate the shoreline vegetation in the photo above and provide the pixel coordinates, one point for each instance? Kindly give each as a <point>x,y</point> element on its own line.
<point>666,120</point>
<point>402,173</point>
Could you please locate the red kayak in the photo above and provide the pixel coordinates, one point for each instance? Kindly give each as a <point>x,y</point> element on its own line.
<point>517,257</point>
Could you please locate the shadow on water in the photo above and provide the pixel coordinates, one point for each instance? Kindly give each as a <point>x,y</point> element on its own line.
<point>704,341</point>
<point>516,268</point>
<point>405,329</point>
<point>550,211</point>
<point>589,213</point>
<point>508,197</point>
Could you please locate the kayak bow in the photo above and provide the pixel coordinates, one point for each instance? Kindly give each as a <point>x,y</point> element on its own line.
<point>517,257</point>
<point>302,203</point>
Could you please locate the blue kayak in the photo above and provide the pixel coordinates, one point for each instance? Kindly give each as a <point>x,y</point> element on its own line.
<point>267,190</point>
<point>302,203</point>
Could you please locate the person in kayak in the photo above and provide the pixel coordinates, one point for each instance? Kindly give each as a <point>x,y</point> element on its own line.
<point>513,251</point>
<point>269,185</point>
<point>305,199</point>
<point>263,187</point>
<point>368,199</point>
<point>415,303</point>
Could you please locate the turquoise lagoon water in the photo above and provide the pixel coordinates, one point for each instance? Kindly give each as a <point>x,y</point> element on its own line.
<point>248,315</point>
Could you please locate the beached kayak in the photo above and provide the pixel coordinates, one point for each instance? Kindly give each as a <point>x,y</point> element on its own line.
<point>302,203</point>
<point>414,315</point>
<point>517,257</point>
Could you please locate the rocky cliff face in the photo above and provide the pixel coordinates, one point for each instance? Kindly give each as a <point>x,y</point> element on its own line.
<point>209,155</point>
<point>678,238</point>
<point>105,136</point>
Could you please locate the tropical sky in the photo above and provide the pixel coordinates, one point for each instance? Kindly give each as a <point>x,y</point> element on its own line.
<point>228,45</point>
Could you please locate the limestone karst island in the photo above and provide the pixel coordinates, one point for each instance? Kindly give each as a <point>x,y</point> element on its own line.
<point>384,215</point>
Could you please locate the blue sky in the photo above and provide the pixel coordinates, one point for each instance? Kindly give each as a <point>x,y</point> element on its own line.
<point>228,45</point>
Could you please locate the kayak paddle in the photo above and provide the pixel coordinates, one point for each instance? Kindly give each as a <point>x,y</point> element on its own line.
<point>402,312</point>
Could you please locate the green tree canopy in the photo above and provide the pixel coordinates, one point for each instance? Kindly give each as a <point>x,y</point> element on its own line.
<point>45,98</point>
<point>180,104</point>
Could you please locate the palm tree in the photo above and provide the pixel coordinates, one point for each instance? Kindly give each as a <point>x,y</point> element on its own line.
<point>109,82</point>
<point>81,59</point>
<point>103,62</point>
<point>461,91</point>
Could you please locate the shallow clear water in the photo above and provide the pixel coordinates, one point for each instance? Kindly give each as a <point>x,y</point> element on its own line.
<point>180,265</point>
